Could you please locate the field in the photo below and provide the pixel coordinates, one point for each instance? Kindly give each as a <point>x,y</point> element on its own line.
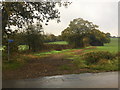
<point>66,61</point>
<point>58,42</point>
<point>112,46</point>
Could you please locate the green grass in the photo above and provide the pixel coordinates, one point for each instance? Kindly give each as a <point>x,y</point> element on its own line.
<point>65,51</point>
<point>2,48</point>
<point>23,47</point>
<point>107,65</point>
<point>58,42</point>
<point>11,65</point>
<point>15,61</point>
<point>111,47</point>
<point>80,63</point>
<point>104,65</point>
<point>20,47</point>
<point>47,53</point>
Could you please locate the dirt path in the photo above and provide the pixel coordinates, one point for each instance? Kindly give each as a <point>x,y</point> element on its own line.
<point>79,51</point>
<point>46,66</point>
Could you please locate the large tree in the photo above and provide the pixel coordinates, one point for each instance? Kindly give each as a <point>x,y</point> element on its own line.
<point>20,14</point>
<point>81,33</point>
<point>77,30</point>
<point>33,37</point>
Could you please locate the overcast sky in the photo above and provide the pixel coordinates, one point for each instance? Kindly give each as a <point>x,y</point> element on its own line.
<point>103,13</point>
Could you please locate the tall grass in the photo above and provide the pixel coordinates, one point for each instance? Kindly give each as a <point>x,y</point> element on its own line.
<point>99,60</point>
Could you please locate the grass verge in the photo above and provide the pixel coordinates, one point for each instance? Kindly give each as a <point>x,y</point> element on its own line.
<point>101,63</point>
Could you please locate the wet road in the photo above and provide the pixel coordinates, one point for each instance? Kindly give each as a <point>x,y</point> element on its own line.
<point>86,80</point>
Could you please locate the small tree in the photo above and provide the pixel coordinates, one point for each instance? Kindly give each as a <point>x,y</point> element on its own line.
<point>34,38</point>
<point>108,36</point>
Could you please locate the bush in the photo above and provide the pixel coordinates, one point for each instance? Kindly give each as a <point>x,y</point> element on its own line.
<point>106,65</point>
<point>103,61</point>
<point>75,40</point>
<point>95,57</point>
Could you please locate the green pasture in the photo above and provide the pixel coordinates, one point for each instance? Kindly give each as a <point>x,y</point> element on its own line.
<point>58,42</point>
<point>110,47</point>
<point>44,54</point>
<point>23,47</point>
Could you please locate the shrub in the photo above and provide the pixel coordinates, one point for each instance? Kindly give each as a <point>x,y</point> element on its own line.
<point>79,62</point>
<point>103,61</point>
<point>106,65</point>
<point>95,57</point>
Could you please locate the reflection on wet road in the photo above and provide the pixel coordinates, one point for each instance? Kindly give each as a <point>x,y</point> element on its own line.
<point>86,80</point>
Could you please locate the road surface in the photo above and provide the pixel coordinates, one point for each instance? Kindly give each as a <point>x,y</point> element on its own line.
<point>85,80</point>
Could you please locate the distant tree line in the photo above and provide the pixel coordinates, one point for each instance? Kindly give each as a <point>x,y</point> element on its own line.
<point>115,37</point>
<point>52,38</point>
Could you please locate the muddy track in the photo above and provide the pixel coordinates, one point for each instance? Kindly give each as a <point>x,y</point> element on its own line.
<point>46,66</point>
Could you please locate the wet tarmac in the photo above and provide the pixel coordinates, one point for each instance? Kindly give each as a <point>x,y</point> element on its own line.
<point>85,80</point>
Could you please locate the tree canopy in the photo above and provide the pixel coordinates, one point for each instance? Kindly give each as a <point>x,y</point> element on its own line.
<point>98,38</point>
<point>22,14</point>
<point>81,32</point>
<point>33,38</point>
<point>19,13</point>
